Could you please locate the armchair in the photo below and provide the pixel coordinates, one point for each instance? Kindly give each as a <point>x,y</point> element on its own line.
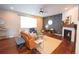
<point>29,40</point>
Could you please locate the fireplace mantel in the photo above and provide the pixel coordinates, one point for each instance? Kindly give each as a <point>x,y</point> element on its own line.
<point>71,26</point>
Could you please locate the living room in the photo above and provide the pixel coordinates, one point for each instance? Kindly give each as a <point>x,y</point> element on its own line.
<point>51,28</point>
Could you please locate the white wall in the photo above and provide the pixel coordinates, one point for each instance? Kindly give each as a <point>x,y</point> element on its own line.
<point>74,13</point>
<point>12,22</point>
<point>77,41</point>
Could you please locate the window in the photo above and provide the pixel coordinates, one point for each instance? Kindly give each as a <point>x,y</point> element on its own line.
<point>28,22</point>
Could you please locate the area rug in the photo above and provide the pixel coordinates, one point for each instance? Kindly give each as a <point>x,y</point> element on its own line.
<point>48,45</point>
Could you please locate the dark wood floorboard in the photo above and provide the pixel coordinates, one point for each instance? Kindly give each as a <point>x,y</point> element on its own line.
<point>8,46</point>
<point>66,47</point>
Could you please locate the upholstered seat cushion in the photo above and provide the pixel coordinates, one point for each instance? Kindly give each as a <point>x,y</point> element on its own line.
<point>29,40</point>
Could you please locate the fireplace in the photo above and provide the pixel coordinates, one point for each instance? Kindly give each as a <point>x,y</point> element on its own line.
<point>67,34</point>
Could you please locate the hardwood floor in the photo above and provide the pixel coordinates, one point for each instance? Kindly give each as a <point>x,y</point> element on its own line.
<point>65,47</point>
<point>8,46</point>
<point>24,50</point>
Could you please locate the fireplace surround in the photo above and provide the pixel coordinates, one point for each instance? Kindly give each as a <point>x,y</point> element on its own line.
<point>69,33</point>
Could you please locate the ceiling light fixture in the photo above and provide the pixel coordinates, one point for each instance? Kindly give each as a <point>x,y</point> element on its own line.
<point>41,11</point>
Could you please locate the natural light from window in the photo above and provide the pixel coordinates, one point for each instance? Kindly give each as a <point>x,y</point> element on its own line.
<point>28,22</point>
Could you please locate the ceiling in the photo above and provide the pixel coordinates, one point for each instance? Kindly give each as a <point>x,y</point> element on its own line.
<point>33,9</point>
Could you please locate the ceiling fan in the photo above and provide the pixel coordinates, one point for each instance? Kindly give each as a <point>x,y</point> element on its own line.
<point>42,11</point>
